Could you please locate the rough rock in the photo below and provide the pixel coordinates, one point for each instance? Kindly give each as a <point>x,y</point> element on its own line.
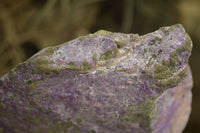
<point>103,82</point>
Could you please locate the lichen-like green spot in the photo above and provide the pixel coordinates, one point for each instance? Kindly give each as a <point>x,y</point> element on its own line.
<point>153,86</point>
<point>85,65</point>
<point>42,64</point>
<point>122,126</point>
<point>95,59</point>
<point>16,83</point>
<point>12,96</point>
<point>162,72</point>
<point>71,65</point>
<point>2,105</point>
<point>110,54</point>
<point>29,81</point>
<point>174,61</point>
<point>173,81</point>
<point>140,113</point>
<point>42,67</point>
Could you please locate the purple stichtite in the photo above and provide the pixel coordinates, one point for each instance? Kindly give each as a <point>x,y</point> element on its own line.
<point>102,83</point>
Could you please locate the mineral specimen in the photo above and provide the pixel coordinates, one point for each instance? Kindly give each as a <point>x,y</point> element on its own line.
<point>103,82</point>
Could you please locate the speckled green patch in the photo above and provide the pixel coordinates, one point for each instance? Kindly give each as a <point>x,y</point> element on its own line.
<point>13,96</point>
<point>2,105</point>
<point>173,81</point>
<point>95,58</point>
<point>84,67</point>
<point>110,54</point>
<point>29,81</point>
<point>42,67</point>
<point>140,114</point>
<point>54,126</point>
<point>42,64</point>
<point>15,70</point>
<point>162,72</point>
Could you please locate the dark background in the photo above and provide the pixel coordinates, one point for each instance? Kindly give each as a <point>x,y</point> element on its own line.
<point>26,26</point>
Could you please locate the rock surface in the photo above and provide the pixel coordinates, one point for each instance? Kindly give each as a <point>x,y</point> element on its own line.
<point>103,82</point>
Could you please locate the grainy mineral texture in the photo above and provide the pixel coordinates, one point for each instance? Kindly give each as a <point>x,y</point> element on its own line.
<point>102,83</point>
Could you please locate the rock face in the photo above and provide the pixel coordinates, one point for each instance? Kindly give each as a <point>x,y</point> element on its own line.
<point>103,82</point>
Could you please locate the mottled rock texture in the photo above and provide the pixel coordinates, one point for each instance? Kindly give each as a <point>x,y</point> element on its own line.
<point>103,82</point>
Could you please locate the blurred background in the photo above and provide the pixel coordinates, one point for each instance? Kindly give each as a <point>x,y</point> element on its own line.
<point>27,26</point>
